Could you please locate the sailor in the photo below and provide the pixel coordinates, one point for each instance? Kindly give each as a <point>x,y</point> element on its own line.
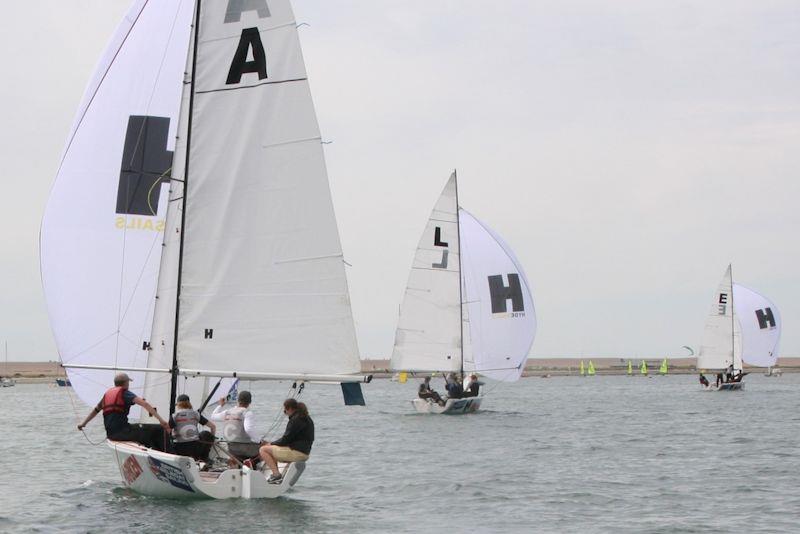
<point>425,392</point>
<point>294,445</point>
<point>240,428</point>
<point>116,404</point>
<point>189,441</point>
<point>454,387</point>
<point>472,386</point>
<point>719,379</point>
<point>704,381</point>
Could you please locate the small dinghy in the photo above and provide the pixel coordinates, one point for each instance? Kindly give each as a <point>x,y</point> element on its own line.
<point>742,327</point>
<point>467,307</point>
<point>190,236</point>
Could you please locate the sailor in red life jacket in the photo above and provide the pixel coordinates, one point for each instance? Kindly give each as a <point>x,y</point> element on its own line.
<point>115,405</point>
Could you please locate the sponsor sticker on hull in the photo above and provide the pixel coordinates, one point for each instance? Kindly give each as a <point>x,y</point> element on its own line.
<point>169,473</point>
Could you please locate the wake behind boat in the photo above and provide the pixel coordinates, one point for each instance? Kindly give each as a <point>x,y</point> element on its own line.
<point>742,327</point>
<point>190,236</point>
<point>467,308</point>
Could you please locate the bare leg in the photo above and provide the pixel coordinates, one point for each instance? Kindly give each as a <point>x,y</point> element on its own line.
<point>265,453</point>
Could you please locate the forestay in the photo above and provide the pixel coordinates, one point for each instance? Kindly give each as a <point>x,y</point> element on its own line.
<point>502,319</point>
<point>263,287</point>
<point>101,234</point>
<point>428,336</point>
<point>760,323</point>
<point>721,343</point>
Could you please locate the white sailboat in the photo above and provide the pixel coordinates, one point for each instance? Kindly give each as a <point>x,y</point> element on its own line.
<point>221,261</point>
<point>6,381</point>
<point>467,306</point>
<point>742,327</point>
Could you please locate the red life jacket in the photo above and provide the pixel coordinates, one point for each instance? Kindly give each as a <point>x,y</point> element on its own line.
<point>114,401</point>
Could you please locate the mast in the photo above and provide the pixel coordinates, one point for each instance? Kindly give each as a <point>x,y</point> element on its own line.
<point>460,296</point>
<point>733,324</point>
<point>174,371</point>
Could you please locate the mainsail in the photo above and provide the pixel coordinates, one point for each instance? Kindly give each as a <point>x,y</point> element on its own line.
<point>760,323</point>
<point>428,336</point>
<point>101,234</point>
<point>495,325</point>
<point>721,345</point>
<point>262,280</point>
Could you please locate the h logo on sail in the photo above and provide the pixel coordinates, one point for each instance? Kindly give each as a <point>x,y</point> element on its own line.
<point>765,318</point>
<point>146,164</point>
<point>501,294</point>
<point>437,242</point>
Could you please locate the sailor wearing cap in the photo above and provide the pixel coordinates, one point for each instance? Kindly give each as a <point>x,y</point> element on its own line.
<point>115,405</point>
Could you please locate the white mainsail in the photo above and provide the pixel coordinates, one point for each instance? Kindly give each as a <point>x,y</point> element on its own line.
<point>502,318</point>
<point>760,323</point>
<point>101,234</point>
<point>721,345</point>
<point>428,336</point>
<point>263,286</point>
<point>498,317</point>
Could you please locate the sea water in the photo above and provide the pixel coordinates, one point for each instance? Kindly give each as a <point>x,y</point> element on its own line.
<point>565,454</point>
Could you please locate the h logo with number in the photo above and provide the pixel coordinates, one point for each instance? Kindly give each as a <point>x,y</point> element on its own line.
<point>501,293</point>
<point>765,319</point>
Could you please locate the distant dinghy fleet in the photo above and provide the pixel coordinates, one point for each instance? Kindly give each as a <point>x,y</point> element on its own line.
<point>190,240</point>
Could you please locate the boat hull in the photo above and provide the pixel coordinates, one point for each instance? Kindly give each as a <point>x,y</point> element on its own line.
<point>451,406</point>
<point>731,386</point>
<point>159,474</point>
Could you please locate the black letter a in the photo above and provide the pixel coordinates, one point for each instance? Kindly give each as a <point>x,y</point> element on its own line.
<point>250,39</point>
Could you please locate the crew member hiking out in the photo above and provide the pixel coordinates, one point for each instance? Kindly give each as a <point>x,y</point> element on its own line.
<point>294,445</point>
<point>116,404</point>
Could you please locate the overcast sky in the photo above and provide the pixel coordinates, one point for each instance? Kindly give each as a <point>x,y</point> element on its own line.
<point>627,151</point>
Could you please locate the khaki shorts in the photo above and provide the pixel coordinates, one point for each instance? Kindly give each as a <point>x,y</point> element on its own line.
<point>285,454</point>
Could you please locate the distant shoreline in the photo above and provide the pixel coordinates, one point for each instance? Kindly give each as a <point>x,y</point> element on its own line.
<point>42,372</point>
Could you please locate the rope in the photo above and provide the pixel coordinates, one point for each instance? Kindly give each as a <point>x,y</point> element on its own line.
<point>293,393</point>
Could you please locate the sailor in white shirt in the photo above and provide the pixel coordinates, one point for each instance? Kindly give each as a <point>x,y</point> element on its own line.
<point>239,429</point>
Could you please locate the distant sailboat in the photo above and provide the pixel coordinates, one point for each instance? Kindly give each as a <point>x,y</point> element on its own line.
<point>582,369</point>
<point>742,327</point>
<point>6,381</point>
<point>591,371</point>
<point>664,368</point>
<point>630,368</point>
<point>467,306</point>
<point>643,368</point>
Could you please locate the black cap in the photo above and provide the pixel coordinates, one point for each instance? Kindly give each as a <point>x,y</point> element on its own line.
<point>182,398</point>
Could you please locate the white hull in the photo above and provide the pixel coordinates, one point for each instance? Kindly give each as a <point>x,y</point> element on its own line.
<point>451,406</point>
<point>732,386</point>
<point>7,382</point>
<point>160,474</point>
